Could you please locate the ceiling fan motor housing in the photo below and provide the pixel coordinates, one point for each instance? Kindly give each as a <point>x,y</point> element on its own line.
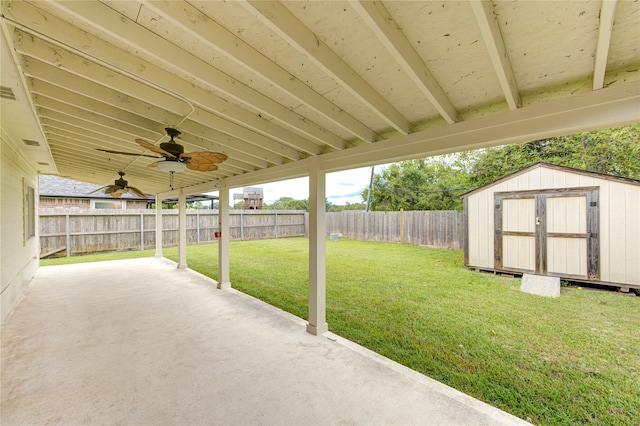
<point>172,147</point>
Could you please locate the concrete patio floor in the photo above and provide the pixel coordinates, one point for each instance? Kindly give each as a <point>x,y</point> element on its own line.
<point>140,342</point>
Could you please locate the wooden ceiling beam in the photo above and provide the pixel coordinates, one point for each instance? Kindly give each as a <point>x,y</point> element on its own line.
<point>109,95</point>
<point>77,129</point>
<point>240,137</point>
<point>394,40</point>
<point>607,16</point>
<point>493,41</point>
<point>279,19</point>
<point>84,123</point>
<point>191,20</point>
<point>74,104</point>
<point>176,61</point>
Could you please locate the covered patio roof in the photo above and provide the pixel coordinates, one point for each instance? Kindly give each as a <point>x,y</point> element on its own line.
<point>276,84</point>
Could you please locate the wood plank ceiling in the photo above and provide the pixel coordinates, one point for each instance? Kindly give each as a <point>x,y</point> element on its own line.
<point>270,84</point>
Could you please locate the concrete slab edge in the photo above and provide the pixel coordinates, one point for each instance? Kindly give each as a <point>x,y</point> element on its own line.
<point>487,409</point>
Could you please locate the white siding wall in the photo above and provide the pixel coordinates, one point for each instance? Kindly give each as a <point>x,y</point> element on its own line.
<point>619,220</point>
<point>18,258</point>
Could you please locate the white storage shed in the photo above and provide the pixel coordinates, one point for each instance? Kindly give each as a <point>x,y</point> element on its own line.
<point>557,221</point>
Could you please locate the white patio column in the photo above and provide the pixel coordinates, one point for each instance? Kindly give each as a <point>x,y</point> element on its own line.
<point>223,242</point>
<point>182,230</point>
<point>317,250</point>
<point>158,226</point>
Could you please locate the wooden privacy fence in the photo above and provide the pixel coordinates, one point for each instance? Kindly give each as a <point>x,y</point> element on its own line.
<point>443,229</point>
<point>87,231</point>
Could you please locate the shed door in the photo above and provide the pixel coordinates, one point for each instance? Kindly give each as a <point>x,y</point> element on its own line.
<point>519,234</point>
<point>567,236</point>
<point>553,232</point>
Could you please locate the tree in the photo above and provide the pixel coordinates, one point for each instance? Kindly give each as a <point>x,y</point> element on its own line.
<point>288,203</point>
<point>436,183</point>
<point>424,184</point>
<point>610,151</point>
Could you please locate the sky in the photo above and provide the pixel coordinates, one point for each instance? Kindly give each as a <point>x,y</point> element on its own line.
<point>341,187</point>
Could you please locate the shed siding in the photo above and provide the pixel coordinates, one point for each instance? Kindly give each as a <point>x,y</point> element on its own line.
<point>632,228</point>
<point>619,235</point>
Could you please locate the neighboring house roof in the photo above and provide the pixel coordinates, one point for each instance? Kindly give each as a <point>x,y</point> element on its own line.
<point>56,186</point>
<point>554,166</point>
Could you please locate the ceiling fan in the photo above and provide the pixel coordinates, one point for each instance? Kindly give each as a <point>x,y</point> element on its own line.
<point>174,159</point>
<point>120,187</point>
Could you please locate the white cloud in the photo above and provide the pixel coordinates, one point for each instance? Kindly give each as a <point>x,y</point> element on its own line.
<point>341,187</point>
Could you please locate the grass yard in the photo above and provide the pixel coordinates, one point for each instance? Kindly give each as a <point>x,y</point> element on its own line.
<point>571,360</point>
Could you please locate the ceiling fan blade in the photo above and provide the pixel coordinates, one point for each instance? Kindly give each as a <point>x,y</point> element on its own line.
<point>116,194</point>
<point>152,147</point>
<point>204,157</point>
<point>154,164</point>
<point>202,167</point>
<point>126,153</point>
<point>137,192</point>
<point>111,189</point>
<point>99,189</point>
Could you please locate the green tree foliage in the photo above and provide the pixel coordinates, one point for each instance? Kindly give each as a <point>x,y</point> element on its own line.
<point>288,203</point>
<point>347,206</point>
<point>436,183</point>
<point>424,184</point>
<point>611,151</point>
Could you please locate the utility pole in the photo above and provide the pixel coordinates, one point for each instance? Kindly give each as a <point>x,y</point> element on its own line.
<point>370,188</point>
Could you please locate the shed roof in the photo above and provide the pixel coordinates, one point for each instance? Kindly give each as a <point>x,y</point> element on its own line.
<point>557,167</point>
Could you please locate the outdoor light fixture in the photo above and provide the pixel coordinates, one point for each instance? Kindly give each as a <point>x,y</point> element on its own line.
<point>171,166</point>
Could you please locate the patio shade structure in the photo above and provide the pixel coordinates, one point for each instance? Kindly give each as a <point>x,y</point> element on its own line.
<point>290,89</point>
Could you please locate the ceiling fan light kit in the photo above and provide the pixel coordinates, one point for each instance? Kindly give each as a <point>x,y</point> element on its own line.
<point>171,166</point>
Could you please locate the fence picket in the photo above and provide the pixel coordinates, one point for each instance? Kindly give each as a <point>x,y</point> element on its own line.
<point>443,229</point>
<point>85,231</point>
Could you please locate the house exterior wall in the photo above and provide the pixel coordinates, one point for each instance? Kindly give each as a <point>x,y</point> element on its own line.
<point>619,219</point>
<point>85,203</point>
<point>136,204</point>
<point>18,255</point>
<point>66,203</point>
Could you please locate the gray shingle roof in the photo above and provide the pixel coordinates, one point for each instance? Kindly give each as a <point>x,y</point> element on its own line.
<point>56,186</point>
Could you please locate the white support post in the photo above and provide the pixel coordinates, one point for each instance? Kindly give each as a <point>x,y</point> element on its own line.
<point>317,250</point>
<point>158,226</point>
<point>223,241</point>
<point>182,230</point>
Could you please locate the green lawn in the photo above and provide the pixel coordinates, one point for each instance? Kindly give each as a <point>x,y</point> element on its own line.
<point>570,360</point>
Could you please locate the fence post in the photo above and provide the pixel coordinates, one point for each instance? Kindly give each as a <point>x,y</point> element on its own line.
<point>141,231</point>
<point>275,212</point>
<point>402,225</point>
<point>241,226</point>
<point>67,231</point>
<point>197,226</point>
